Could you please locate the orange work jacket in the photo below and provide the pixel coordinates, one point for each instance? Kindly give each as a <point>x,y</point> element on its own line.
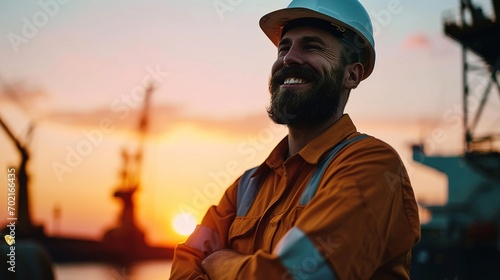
<point>360,220</point>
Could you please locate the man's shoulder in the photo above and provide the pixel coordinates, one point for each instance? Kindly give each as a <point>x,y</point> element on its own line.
<point>371,146</point>
<point>372,142</point>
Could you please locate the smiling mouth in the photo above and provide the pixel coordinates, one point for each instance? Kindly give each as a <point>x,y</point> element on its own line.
<point>294,81</point>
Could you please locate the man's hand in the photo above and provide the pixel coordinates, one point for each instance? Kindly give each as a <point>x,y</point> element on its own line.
<point>218,262</point>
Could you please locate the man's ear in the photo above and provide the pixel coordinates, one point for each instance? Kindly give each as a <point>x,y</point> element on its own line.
<point>354,75</point>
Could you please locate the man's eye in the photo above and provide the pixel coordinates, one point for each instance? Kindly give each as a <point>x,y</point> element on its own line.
<point>312,47</point>
<point>282,50</point>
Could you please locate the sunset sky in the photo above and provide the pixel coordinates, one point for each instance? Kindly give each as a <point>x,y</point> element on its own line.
<point>77,70</point>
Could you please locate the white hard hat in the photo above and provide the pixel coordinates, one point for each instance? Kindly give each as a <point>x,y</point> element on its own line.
<point>348,14</point>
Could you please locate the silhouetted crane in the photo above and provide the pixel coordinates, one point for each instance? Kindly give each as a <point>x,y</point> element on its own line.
<point>24,224</point>
<point>482,37</point>
<point>128,232</point>
<point>461,240</point>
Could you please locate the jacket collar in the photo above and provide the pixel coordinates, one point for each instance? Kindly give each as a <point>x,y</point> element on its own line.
<point>315,149</point>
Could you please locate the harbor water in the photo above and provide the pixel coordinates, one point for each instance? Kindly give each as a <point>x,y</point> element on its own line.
<point>150,270</point>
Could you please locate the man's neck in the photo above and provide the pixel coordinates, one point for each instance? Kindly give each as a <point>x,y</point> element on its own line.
<point>300,136</point>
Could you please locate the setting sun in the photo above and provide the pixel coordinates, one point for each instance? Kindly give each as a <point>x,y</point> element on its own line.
<point>184,224</point>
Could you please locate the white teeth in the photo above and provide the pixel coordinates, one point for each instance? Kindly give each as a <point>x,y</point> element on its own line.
<point>290,81</point>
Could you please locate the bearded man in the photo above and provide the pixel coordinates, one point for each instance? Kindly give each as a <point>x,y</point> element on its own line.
<point>328,202</point>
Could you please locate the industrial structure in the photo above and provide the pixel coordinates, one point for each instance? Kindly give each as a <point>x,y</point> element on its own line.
<point>123,243</point>
<point>462,239</point>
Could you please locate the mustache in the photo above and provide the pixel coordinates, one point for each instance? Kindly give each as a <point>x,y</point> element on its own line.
<point>302,71</point>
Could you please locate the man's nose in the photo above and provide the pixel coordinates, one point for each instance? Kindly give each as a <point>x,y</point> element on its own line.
<point>294,56</point>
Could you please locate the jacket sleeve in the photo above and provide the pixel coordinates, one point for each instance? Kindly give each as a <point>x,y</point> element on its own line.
<point>363,215</point>
<point>208,237</point>
<point>343,232</point>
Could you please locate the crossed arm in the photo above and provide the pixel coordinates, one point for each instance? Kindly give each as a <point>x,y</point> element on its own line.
<point>218,261</point>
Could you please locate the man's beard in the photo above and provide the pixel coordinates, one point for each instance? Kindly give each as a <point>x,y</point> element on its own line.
<point>305,107</point>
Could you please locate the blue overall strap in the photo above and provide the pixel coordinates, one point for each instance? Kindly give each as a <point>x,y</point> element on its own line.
<point>312,185</point>
<point>248,188</point>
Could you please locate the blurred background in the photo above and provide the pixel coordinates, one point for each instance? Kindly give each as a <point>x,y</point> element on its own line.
<point>131,118</point>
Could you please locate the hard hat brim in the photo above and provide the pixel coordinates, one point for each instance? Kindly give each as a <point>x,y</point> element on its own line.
<point>273,22</point>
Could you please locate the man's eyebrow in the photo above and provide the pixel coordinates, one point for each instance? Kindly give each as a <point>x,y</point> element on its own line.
<point>285,41</point>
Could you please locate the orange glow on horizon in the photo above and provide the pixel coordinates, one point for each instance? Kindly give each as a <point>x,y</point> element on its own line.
<point>184,170</point>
